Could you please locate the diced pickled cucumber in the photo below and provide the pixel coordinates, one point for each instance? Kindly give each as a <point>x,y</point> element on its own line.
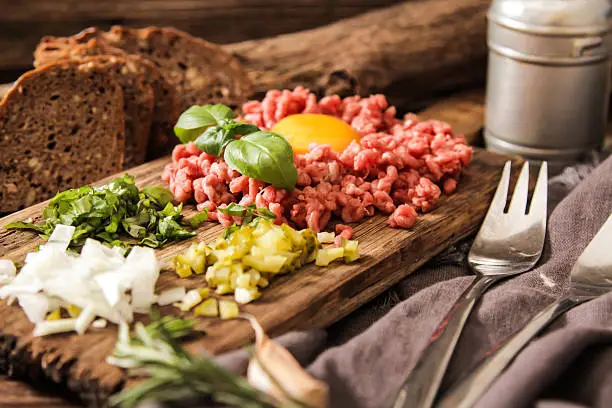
<point>191,299</point>
<point>224,289</point>
<point>207,308</point>
<point>248,259</point>
<point>246,295</point>
<point>228,309</point>
<point>182,267</point>
<point>351,250</point>
<point>268,263</point>
<point>73,311</point>
<point>243,281</point>
<point>54,315</point>
<point>328,255</point>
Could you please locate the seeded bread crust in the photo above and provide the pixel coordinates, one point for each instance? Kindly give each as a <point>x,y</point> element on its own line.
<point>61,126</point>
<point>89,42</point>
<point>202,72</point>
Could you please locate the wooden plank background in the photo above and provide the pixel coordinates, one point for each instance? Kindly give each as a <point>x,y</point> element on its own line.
<point>23,23</point>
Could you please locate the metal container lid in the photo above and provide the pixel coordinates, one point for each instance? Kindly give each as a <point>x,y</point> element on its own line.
<point>554,17</point>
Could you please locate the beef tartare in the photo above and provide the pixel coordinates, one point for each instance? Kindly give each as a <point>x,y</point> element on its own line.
<point>398,167</point>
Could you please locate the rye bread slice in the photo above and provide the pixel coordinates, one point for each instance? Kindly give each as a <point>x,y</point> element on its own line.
<point>89,42</point>
<point>201,71</point>
<point>61,126</point>
<point>137,104</point>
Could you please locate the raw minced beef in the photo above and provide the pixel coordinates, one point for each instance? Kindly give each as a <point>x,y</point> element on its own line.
<point>399,167</point>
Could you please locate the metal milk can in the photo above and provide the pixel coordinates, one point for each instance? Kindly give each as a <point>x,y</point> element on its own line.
<point>548,83</point>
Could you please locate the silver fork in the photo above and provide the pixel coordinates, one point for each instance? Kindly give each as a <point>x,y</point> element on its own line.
<point>506,245</point>
<point>591,277</point>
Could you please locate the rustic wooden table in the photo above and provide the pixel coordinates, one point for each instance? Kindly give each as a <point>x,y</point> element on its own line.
<point>463,111</point>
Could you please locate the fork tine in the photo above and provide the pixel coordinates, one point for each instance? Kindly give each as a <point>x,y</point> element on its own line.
<point>539,201</point>
<point>518,205</point>
<point>499,199</point>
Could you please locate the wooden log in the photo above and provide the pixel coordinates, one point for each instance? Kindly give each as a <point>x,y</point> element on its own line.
<point>25,22</point>
<point>409,52</point>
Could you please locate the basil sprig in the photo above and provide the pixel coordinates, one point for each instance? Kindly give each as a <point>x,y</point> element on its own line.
<point>264,156</point>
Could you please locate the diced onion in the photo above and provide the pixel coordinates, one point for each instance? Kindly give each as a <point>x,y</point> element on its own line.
<point>45,328</point>
<point>191,298</point>
<point>99,324</point>
<point>7,271</point>
<point>60,237</point>
<point>101,282</point>
<point>170,296</point>
<point>86,317</point>
<point>326,237</point>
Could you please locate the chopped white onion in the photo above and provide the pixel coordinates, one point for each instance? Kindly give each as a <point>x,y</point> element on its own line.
<point>47,327</point>
<point>35,306</point>
<point>167,297</point>
<point>101,281</point>
<point>326,237</point>
<point>7,271</point>
<point>99,324</point>
<point>84,320</point>
<point>61,236</point>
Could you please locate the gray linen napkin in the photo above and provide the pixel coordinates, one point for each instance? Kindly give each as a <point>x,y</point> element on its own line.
<point>366,356</point>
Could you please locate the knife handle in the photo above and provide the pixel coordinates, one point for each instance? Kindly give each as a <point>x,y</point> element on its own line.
<point>470,389</point>
<point>421,386</point>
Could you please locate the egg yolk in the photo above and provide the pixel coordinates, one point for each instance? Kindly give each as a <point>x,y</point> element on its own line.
<point>305,128</point>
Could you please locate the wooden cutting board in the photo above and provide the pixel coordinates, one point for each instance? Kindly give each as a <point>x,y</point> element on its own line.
<point>310,297</point>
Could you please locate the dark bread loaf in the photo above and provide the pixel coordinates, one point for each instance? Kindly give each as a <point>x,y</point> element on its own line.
<point>51,49</point>
<point>202,72</point>
<point>89,42</point>
<point>137,104</point>
<point>61,126</point>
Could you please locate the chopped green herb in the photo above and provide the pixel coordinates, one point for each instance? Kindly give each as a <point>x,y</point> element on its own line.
<point>198,219</point>
<point>117,209</point>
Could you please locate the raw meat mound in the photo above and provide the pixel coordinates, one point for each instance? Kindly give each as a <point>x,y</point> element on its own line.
<point>399,167</point>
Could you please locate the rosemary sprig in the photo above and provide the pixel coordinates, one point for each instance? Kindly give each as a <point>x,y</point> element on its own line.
<point>173,374</point>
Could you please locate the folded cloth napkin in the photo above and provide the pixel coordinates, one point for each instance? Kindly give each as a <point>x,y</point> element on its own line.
<point>569,365</point>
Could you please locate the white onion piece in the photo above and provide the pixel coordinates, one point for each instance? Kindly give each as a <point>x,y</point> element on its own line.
<point>60,237</point>
<point>99,323</point>
<point>47,327</point>
<point>101,281</point>
<point>7,271</point>
<point>170,296</point>
<point>144,270</point>
<point>35,306</point>
<point>84,320</point>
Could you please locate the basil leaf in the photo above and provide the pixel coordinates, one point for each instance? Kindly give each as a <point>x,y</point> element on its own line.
<point>242,129</point>
<point>196,117</point>
<point>160,195</point>
<point>186,136</point>
<point>220,112</point>
<point>265,213</point>
<point>264,156</point>
<point>25,226</point>
<point>194,121</point>
<point>214,140</point>
<point>233,209</point>
<point>198,219</point>
<point>230,230</point>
